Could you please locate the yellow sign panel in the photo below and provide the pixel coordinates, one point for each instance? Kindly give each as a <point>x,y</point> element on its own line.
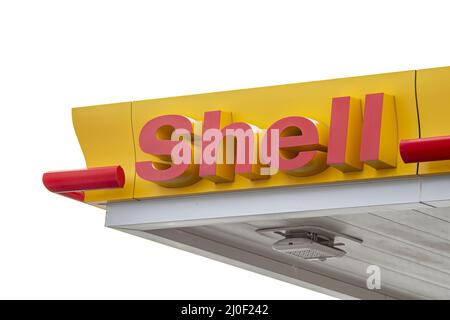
<point>110,134</point>
<point>433,100</point>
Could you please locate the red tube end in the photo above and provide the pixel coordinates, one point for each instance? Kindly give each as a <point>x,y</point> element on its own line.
<point>425,149</point>
<point>87,179</point>
<point>72,183</point>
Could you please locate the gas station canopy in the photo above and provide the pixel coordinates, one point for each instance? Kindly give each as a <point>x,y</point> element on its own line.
<point>341,186</point>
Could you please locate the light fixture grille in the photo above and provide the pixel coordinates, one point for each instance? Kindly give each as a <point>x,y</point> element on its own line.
<point>308,249</point>
<point>306,253</point>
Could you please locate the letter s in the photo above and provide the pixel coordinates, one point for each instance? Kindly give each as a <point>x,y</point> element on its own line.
<point>155,139</point>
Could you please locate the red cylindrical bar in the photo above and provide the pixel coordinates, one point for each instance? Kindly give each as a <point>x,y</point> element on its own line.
<point>425,149</point>
<point>87,179</point>
<point>75,195</point>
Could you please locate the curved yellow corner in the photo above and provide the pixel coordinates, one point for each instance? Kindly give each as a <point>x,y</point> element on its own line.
<point>105,135</point>
<point>433,100</point>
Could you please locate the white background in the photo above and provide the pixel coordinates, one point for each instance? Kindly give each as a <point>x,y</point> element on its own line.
<point>55,55</point>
